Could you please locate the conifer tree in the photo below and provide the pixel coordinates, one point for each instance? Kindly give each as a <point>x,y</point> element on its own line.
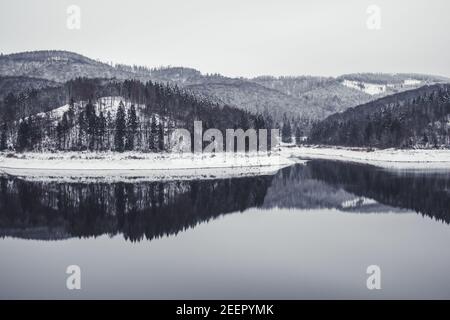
<point>161,136</point>
<point>101,131</point>
<point>286,131</point>
<point>23,136</point>
<point>119,136</point>
<point>298,135</point>
<point>82,127</point>
<point>4,137</point>
<point>91,120</point>
<point>131,128</point>
<point>153,135</point>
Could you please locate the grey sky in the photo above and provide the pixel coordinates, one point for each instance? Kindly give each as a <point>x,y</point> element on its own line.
<point>240,38</point>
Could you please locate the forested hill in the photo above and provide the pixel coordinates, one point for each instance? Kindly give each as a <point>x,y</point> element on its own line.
<point>302,99</point>
<point>98,115</point>
<point>22,84</point>
<point>415,118</point>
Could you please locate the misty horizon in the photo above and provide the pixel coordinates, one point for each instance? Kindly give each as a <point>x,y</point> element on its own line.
<point>206,72</point>
<point>240,39</point>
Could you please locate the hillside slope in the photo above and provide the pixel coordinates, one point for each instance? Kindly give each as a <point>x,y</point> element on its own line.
<point>415,118</point>
<point>21,84</point>
<point>304,99</point>
<point>106,115</point>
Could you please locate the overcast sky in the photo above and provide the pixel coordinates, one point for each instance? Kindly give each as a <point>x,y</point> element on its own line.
<point>240,37</point>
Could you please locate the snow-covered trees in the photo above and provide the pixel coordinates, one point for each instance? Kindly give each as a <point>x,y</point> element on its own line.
<point>91,120</point>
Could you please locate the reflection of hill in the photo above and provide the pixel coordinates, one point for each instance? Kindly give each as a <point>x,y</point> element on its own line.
<point>425,193</point>
<point>50,210</point>
<point>296,187</point>
<point>137,209</point>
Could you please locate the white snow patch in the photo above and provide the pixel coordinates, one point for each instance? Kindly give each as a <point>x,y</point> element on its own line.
<point>104,104</point>
<point>147,166</point>
<point>412,82</point>
<point>358,202</point>
<point>375,88</point>
<point>369,88</point>
<point>385,158</point>
<point>111,104</point>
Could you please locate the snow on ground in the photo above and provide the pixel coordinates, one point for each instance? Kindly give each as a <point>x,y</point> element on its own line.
<point>412,82</point>
<point>181,166</point>
<point>374,88</point>
<point>358,202</point>
<point>385,158</point>
<point>114,176</point>
<point>111,104</point>
<point>104,104</point>
<point>55,114</point>
<point>142,166</point>
<point>369,88</point>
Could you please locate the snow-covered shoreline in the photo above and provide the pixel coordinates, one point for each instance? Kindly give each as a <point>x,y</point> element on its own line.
<point>432,159</point>
<point>111,166</point>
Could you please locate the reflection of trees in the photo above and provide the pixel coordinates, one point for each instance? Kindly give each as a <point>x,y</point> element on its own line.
<point>428,194</point>
<point>138,210</point>
<point>294,187</point>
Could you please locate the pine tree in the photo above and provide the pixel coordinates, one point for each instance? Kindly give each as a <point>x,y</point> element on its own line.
<point>153,135</point>
<point>82,127</point>
<point>23,136</point>
<point>4,138</point>
<point>160,136</point>
<point>71,111</point>
<point>120,129</point>
<point>59,136</point>
<point>65,126</point>
<point>110,125</point>
<point>91,120</point>
<point>132,125</point>
<point>36,132</point>
<point>298,136</point>
<point>101,131</point>
<point>286,131</point>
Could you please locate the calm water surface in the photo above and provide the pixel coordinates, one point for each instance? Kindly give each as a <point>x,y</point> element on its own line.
<point>310,231</point>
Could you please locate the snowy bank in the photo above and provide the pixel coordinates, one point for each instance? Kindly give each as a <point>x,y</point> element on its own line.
<point>111,166</point>
<point>139,166</point>
<point>385,158</point>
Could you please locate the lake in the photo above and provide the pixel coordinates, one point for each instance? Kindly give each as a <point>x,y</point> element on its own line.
<point>309,231</point>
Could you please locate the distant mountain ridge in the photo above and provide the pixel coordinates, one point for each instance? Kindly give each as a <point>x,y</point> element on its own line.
<point>304,99</point>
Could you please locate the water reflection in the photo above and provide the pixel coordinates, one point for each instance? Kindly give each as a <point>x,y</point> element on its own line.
<point>50,210</point>
<point>148,210</point>
<point>425,193</point>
